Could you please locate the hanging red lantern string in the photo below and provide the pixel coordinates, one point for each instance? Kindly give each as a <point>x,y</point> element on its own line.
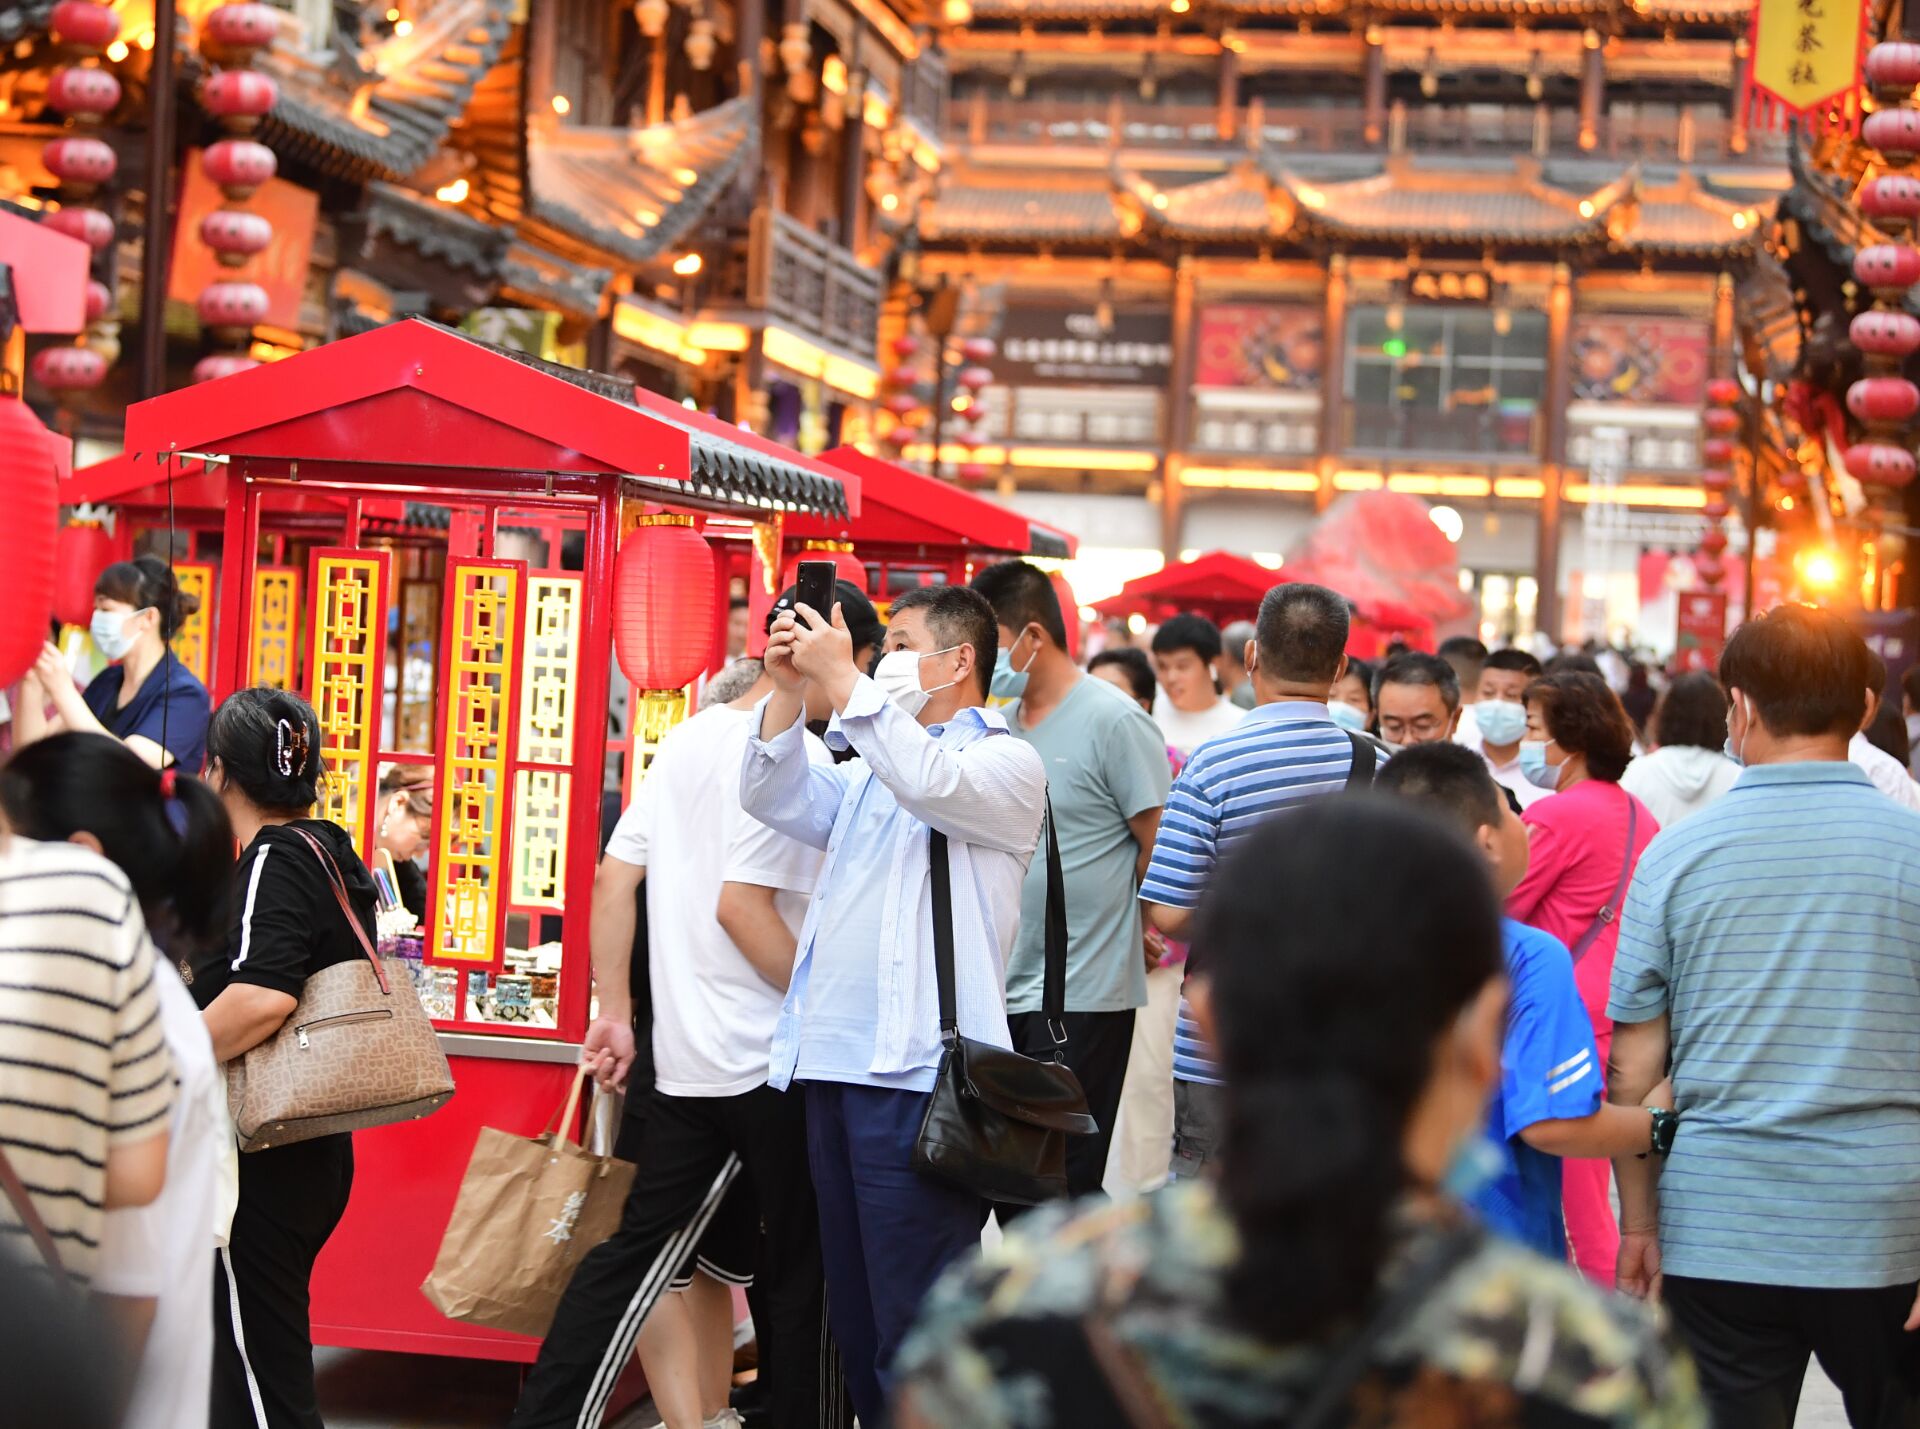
<point>664,613</point>
<point>85,94</point>
<point>29,495</point>
<point>81,551</point>
<point>239,97</point>
<point>1723,420</point>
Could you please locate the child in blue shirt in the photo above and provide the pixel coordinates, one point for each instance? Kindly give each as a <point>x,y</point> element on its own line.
<point>1550,1102</point>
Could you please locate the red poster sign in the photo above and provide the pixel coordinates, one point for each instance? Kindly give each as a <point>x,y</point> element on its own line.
<point>1621,358</point>
<point>1263,346</point>
<point>1701,629</point>
<point>281,269</point>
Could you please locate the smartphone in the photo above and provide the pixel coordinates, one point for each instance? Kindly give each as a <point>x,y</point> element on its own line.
<point>814,586</point>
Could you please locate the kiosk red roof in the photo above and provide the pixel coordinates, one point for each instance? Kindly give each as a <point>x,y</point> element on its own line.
<point>1219,585</point>
<point>901,508</point>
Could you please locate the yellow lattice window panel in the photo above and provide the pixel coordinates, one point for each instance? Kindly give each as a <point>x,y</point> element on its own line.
<point>273,656</point>
<point>346,624</point>
<point>193,642</point>
<point>542,798</point>
<point>476,742</point>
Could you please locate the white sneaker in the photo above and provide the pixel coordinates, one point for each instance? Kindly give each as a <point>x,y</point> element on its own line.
<point>728,1418</point>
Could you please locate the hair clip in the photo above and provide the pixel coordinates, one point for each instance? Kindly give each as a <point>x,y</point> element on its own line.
<point>169,778</point>
<point>283,748</point>
<point>298,740</point>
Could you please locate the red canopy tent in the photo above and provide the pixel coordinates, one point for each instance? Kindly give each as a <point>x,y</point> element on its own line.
<point>1219,585</point>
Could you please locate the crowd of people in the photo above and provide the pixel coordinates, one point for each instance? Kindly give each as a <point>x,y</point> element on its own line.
<point>1384,985</point>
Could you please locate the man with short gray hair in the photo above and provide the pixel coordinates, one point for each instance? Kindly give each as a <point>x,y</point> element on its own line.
<point>1233,663</point>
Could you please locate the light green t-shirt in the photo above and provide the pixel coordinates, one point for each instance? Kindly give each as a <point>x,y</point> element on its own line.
<point>1106,761</point>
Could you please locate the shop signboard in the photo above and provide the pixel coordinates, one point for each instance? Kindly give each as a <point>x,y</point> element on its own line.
<point>1270,347</point>
<point>1068,344</point>
<point>1700,629</point>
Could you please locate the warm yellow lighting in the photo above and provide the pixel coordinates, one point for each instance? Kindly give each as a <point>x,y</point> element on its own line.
<point>392,15</point>
<point>1586,208</point>
<point>1520,488</point>
<point>1427,484</point>
<point>1180,7</point>
<point>1740,219</point>
<point>118,51</point>
<point>686,178</point>
<point>1818,569</point>
<point>1233,41</point>
<point>146,39</point>
<point>889,202</point>
<point>1357,481</point>
<point>957,12</point>
<point>953,454</point>
<point>833,75</point>
<point>875,111</point>
<point>1786,503</point>
<point>1247,478</point>
<point>1645,494</point>
<point>562,105</point>
<point>720,337</point>
<point>646,328</point>
<point>1081,459</point>
<point>1160,201</point>
<point>403,28</point>
<point>688,265</point>
<point>646,217</point>
<point>455,192</point>
<point>792,351</point>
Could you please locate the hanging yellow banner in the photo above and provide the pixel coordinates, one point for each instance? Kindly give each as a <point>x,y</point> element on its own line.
<point>1806,61</point>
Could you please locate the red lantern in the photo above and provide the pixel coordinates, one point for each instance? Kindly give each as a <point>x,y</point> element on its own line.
<point>1887,268</point>
<point>239,95</point>
<point>1792,480</point>
<point>901,403</point>
<point>1885,332</point>
<point>82,552</point>
<point>905,346</point>
<point>901,434</point>
<point>82,25</point>
<point>1893,69</point>
<point>29,496</point>
<point>1716,451</point>
<point>1716,508</point>
<point>1713,541</point>
<point>974,473</point>
<point>974,378</point>
<point>83,93</point>
<point>236,305</point>
<point>1880,464</point>
<point>978,349</point>
<point>1883,399</point>
<point>1723,392</point>
<point>68,369</point>
<point>900,377</point>
<point>1894,196</point>
<point>99,300</point>
<point>663,604</point>
<point>235,234</point>
<point>221,364</point>
<point>242,27</point>
<point>1721,421</point>
<point>1709,567</point>
<point>1716,480</point>
<point>79,160</point>
<point>1894,132</point>
<point>238,166</point>
<point>89,225</point>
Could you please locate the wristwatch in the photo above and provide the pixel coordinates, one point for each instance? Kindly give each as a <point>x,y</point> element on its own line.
<point>1665,1124</point>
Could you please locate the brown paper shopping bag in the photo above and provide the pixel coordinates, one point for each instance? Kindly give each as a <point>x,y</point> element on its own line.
<point>529,1210</point>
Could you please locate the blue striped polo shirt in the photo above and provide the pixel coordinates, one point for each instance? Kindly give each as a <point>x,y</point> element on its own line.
<point>1780,930</point>
<point>1281,755</point>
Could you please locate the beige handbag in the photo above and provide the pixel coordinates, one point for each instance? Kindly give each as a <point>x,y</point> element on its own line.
<point>356,1051</point>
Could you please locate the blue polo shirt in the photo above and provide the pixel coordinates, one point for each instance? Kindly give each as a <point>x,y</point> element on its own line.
<point>171,695</point>
<point>1549,1070</point>
<point>1779,930</point>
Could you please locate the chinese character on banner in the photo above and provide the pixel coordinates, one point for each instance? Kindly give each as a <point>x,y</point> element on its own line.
<point>1701,629</point>
<point>1806,63</point>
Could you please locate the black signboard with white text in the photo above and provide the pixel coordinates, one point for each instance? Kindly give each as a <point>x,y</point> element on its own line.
<point>1052,345</point>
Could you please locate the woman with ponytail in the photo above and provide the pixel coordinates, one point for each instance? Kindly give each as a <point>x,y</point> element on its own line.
<point>145,698</point>
<point>1329,1276</point>
<point>263,748</point>
<point>168,832</point>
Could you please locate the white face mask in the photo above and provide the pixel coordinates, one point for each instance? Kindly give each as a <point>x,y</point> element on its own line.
<point>110,635</point>
<point>898,676</point>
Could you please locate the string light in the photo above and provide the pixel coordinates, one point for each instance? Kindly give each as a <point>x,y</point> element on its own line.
<point>562,105</point>
<point>688,266</point>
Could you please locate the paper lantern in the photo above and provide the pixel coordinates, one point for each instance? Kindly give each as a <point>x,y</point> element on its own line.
<point>899,377</point>
<point>239,95</point>
<point>1893,131</point>
<point>81,552</point>
<point>68,369</point>
<point>1889,268</point>
<point>1723,392</point>
<point>1895,196</point>
<point>978,349</point>
<point>973,473</point>
<point>1792,480</point>
<point>1716,451</point>
<point>89,225</point>
<point>974,378</point>
<point>222,364</point>
<point>99,300</point>
<point>1880,464</point>
<point>1893,69</point>
<point>1713,541</point>
<point>238,166</point>
<point>77,159</point>
<point>1721,421</point>
<point>663,604</point>
<point>1885,332</point>
<point>905,346</point>
<point>1717,508</point>
<point>1883,399</point>
<point>242,27</point>
<point>83,93</point>
<point>1709,567</point>
<point>82,25</point>
<point>1716,480</point>
<point>29,495</point>
<point>235,235</point>
<point>901,403</point>
<point>232,305</point>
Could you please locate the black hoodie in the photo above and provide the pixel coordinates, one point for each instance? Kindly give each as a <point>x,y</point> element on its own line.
<point>287,922</point>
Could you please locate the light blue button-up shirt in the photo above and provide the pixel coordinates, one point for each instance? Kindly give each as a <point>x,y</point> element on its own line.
<point>871,917</point>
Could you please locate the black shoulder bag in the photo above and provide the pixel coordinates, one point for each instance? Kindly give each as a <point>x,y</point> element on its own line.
<point>998,1122</point>
<point>1365,757</point>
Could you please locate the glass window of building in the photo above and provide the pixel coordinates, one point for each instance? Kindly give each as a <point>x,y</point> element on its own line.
<point>1445,381</point>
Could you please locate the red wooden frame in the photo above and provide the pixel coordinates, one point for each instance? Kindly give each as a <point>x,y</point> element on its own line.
<point>383,595</point>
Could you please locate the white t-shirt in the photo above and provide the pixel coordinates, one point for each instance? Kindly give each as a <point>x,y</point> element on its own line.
<point>164,1250</point>
<point>1889,775</point>
<point>713,1015</point>
<point>1187,731</point>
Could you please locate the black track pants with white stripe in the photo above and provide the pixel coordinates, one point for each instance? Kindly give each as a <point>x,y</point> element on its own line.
<point>291,1198</point>
<point>692,1149</point>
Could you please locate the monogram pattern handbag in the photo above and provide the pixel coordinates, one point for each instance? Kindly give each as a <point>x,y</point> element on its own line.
<point>998,1122</point>
<point>356,1051</point>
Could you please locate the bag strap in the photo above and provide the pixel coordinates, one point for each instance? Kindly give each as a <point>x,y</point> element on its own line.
<point>1611,908</point>
<point>1053,994</point>
<point>339,886</point>
<point>1365,757</point>
<point>29,1215</point>
<point>565,1115</point>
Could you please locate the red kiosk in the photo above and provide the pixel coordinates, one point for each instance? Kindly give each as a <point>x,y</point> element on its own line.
<point>453,513</point>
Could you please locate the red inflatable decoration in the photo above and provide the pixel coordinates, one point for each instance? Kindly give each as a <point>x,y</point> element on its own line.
<point>663,604</point>
<point>29,495</point>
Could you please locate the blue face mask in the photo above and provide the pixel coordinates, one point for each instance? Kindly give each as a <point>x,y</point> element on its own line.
<point>1009,683</point>
<point>1534,767</point>
<point>1347,716</point>
<point>1471,1169</point>
<point>1501,722</point>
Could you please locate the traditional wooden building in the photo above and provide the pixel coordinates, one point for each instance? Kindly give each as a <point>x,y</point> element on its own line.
<point>1242,256</point>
